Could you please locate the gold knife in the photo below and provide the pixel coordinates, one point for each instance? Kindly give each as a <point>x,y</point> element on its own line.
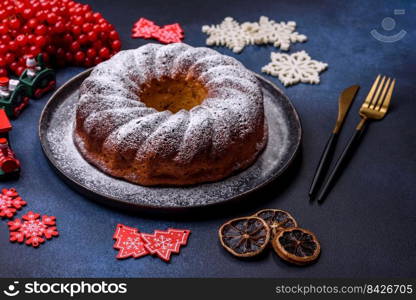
<point>344,103</point>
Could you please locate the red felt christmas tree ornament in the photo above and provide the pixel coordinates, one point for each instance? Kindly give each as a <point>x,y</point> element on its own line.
<point>129,242</point>
<point>144,28</point>
<point>164,243</point>
<point>167,34</point>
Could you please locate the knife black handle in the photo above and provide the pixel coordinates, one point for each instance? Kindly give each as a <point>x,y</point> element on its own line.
<point>341,163</point>
<point>323,164</point>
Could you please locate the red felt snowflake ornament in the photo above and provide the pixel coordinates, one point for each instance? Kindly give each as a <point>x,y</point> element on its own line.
<point>10,202</point>
<point>128,242</point>
<point>32,229</point>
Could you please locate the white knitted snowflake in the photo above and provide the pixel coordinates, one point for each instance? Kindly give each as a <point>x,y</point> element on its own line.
<point>294,68</point>
<point>231,34</point>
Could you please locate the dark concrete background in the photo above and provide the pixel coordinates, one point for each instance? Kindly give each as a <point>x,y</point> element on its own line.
<point>367,224</point>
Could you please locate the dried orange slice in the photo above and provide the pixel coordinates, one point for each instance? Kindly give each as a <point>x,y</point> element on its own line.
<point>277,219</point>
<point>296,245</point>
<point>244,237</point>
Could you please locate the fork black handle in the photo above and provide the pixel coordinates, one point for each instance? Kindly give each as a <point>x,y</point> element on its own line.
<point>323,164</point>
<point>341,162</point>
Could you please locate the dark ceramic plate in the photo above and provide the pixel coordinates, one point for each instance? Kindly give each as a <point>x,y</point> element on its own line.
<point>55,130</point>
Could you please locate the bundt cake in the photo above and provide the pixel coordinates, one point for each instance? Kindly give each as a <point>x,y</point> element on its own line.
<point>170,115</point>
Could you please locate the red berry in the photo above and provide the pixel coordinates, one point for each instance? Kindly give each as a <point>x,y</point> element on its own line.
<point>2,62</point>
<point>40,41</point>
<point>14,23</point>
<point>5,39</point>
<point>113,35</point>
<point>9,57</point>
<point>82,39</point>
<point>3,29</point>
<point>40,16</point>
<point>78,20</point>
<point>68,57</point>
<point>68,39</point>
<point>60,52</point>
<point>92,36</point>
<point>13,33</point>
<point>91,53</point>
<point>27,13</point>
<point>97,45</point>
<point>3,49</point>
<point>77,30</point>
<point>88,62</point>
<point>34,50</point>
<point>13,46</point>
<point>20,70</point>
<point>59,27</point>
<point>24,50</point>
<point>41,29</point>
<point>3,72</point>
<point>45,57</point>
<point>13,66</point>
<point>89,16</point>
<point>75,46</point>
<point>97,15</point>
<point>97,60</point>
<point>25,29</point>
<point>51,49</point>
<point>103,27</point>
<point>79,56</point>
<point>87,27</point>
<point>31,38</point>
<point>103,35</point>
<point>21,61</point>
<point>21,40</point>
<point>3,14</point>
<point>51,18</point>
<point>116,45</point>
<point>32,23</point>
<point>86,8</point>
<point>104,53</point>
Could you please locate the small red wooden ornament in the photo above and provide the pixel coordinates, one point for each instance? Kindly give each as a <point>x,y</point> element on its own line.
<point>32,229</point>
<point>164,243</point>
<point>10,202</point>
<point>144,28</point>
<point>128,242</point>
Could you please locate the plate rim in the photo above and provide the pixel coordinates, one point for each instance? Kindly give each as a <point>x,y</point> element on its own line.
<point>102,198</point>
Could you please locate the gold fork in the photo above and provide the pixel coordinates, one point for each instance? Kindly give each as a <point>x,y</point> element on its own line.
<point>374,107</point>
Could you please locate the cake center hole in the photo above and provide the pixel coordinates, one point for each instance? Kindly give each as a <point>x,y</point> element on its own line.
<point>173,94</point>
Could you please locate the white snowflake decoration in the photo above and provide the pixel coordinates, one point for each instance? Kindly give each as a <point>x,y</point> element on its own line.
<point>228,33</point>
<point>132,243</point>
<point>231,34</point>
<point>294,68</point>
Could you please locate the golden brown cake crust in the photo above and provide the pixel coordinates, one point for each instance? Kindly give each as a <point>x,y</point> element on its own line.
<point>118,133</point>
